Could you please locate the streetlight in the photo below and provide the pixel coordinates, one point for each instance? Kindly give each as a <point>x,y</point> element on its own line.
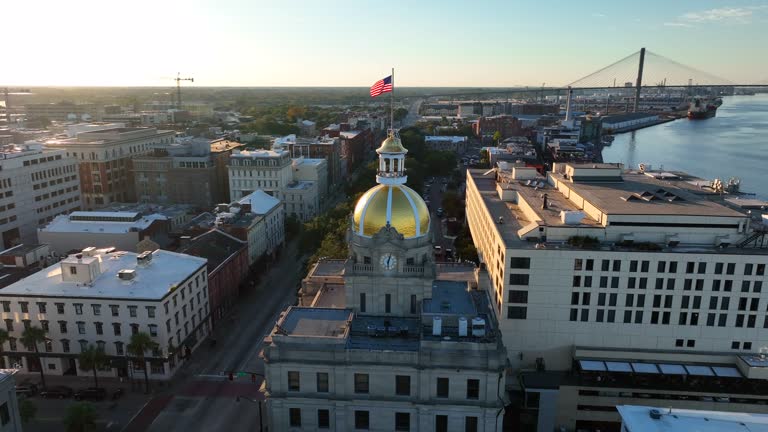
<point>257,402</point>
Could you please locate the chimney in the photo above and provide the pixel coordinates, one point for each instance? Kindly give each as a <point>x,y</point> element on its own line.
<point>545,202</point>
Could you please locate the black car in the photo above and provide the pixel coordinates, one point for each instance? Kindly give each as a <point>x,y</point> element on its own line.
<point>56,392</point>
<point>91,393</point>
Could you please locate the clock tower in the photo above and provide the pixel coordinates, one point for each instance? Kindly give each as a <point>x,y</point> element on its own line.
<point>391,266</point>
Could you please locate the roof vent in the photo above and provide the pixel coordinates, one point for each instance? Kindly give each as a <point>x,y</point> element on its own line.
<point>655,414</point>
<point>126,274</point>
<point>144,258</point>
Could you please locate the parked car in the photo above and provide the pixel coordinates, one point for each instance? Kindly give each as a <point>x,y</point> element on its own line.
<point>91,393</point>
<point>26,390</point>
<point>56,392</point>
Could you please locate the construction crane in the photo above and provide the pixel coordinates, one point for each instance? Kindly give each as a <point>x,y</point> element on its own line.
<point>178,80</point>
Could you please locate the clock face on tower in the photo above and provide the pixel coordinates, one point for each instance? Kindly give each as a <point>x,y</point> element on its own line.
<point>388,261</point>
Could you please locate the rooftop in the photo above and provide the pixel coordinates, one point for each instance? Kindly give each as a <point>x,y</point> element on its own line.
<point>443,138</point>
<point>300,185</point>
<point>261,202</point>
<point>652,419</point>
<point>152,281</point>
<point>315,322</point>
<point>215,246</point>
<point>258,154</point>
<point>449,297</point>
<point>98,222</point>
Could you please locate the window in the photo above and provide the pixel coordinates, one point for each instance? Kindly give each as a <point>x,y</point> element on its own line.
<point>402,385</point>
<point>153,329</point>
<point>760,270</point>
<point>702,268</point>
<point>690,343</point>
<point>41,307</point>
<point>616,265</point>
<point>670,284</point>
<point>661,266</point>
<point>574,315</point>
<point>747,345</point>
<point>294,381</point>
<point>470,424</point>
<point>132,310</point>
<point>590,265</point>
<point>116,329</point>
<point>24,307</point>
<point>518,279</point>
<point>578,263</point>
<point>517,312</point>
<point>601,299</point>
<point>603,281</point>
<point>745,286</point>
<point>442,387</point>
<point>387,303</point>
<point>519,263</point>
<point>135,328</point>
<point>361,420</point>
<point>585,299</point>
<point>688,284</point>
<point>323,419</point>
<point>441,423</point>
<point>402,421</point>
<point>516,296</point>
<point>414,303</point>
<point>627,317</point>
<point>473,389</point>
<point>8,325</point>
<point>294,417</point>
<point>78,308</point>
<point>99,328</point>
<point>119,348</point>
<point>679,342</point>
<point>643,283</point>
<point>730,269</point>
<point>633,266</point>
<point>614,282</point>
<point>716,285</point>
<point>699,285</point>
<point>735,345</point>
<point>361,383</point>
<point>612,299</point>
<point>605,265</point>
<point>150,311</point>
<point>748,269</point>
<point>629,300</point>
<point>631,282</point>
<point>80,327</point>
<point>644,266</point>
<point>659,283</point>
<point>115,310</point>
<point>362,302</point>
<point>6,306</point>
<point>588,281</point>
<point>322,382</point>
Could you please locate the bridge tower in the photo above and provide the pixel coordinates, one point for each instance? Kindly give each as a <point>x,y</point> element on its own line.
<point>639,83</point>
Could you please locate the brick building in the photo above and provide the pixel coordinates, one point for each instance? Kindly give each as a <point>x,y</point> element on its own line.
<point>506,124</point>
<point>227,267</point>
<point>105,161</point>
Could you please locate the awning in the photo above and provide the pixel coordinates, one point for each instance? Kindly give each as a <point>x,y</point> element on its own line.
<point>726,371</point>
<point>672,369</point>
<point>618,366</point>
<point>592,365</point>
<point>649,368</point>
<point>699,370</point>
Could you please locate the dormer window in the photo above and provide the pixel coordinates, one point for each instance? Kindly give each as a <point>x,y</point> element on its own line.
<point>72,270</point>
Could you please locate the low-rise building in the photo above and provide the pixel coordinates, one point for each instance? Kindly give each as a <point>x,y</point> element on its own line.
<point>227,258</point>
<point>324,147</point>
<point>266,170</point>
<point>101,297</point>
<point>636,418</point>
<point>314,171</point>
<point>506,125</point>
<point>36,185</point>
<point>121,230</point>
<point>456,144</point>
<point>355,145</point>
<point>629,121</point>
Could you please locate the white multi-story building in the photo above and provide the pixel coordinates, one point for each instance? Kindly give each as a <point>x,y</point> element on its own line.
<point>267,170</point>
<point>10,420</point>
<point>604,272</point>
<point>101,297</point>
<point>35,185</point>
<point>272,171</point>
<point>390,343</point>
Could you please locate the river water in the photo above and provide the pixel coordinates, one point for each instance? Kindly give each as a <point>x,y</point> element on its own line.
<point>732,144</point>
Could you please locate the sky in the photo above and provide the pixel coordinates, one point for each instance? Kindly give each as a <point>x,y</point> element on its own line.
<point>479,43</point>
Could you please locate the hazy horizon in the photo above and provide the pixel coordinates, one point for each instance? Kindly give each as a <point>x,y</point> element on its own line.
<point>344,44</point>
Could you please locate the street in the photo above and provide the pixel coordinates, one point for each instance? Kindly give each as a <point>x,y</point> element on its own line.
<point>202,397</point>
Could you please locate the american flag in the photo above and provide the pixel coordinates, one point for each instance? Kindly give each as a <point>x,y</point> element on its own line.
<point>381,86</point>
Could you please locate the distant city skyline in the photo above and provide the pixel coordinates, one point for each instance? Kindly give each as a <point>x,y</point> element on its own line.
<point>448,43</point>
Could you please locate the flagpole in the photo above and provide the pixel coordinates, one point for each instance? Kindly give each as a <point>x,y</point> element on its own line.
<point>392,104</point>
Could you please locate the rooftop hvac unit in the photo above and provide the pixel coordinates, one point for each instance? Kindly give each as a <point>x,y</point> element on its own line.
<point>126,275</point>
<point>144,258</point>
<point>478,327</point>
<point>437,326</point>
<point>463,327</point>
<point>89,251</point>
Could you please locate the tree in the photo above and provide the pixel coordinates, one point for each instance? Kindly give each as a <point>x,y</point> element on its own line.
<point>139,345</point>
<point>80,417</point>
<point>292,226</point>
<point>92,359</point>
<point>484,158</point>
<point>400,114</point>
<point>31,337</point>
<point>452,205</point>
<point>27,410</point>
<point>496,137</point>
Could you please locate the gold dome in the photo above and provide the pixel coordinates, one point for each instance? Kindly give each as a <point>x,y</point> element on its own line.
<point>398,205</point>
<point>391,145</point>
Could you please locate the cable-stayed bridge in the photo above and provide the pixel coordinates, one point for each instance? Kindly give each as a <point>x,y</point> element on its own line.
<point>632,74</point>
